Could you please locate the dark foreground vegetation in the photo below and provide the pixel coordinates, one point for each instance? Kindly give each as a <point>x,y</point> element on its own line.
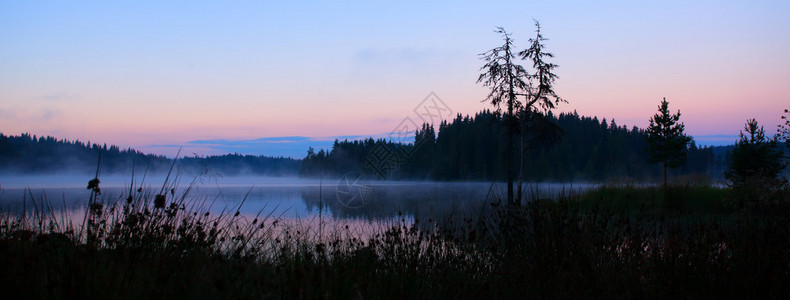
<point>621,242</point>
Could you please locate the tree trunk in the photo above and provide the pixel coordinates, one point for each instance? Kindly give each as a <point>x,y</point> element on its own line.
<point>509,160</point>
<point>519,193</point>
<point>665,177</point>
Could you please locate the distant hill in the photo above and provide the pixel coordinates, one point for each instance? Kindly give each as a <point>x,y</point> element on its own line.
<point>26,154</point>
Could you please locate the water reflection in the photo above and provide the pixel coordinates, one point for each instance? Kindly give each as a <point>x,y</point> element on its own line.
<point>422,200</point>
<point>299,200</point>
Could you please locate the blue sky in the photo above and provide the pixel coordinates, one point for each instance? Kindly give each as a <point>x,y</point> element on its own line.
<point>146,74</point>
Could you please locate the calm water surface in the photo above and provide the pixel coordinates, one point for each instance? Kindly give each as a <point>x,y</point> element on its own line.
<point>352,198</point>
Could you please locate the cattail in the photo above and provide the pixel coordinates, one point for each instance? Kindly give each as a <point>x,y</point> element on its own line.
<point>159,201</point>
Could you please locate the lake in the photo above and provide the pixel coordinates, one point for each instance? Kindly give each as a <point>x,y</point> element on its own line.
<point>353,197</point>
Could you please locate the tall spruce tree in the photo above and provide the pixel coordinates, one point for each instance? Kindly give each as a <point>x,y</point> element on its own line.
<point>539,100</point>
<point>666,141</point>
<point>507,81</point>
<point>755,167</point>
<point>756,159</point>
<point>510,81</point>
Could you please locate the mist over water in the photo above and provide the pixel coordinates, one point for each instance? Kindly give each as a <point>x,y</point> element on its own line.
<point>275,197</point>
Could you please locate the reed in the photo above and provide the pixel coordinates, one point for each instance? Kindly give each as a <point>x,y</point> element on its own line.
<point>620,242</point>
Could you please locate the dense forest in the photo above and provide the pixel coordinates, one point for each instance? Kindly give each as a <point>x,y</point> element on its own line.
<point>26,154</point>
<point>471,148</point>
<point>466,148</point>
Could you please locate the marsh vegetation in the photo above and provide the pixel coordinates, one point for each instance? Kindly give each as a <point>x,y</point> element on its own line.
<point>625,241</point>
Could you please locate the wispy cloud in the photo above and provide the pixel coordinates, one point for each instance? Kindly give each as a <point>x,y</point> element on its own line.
<point>60,96</point>
<point>30,114</point>
<point>373,56</point>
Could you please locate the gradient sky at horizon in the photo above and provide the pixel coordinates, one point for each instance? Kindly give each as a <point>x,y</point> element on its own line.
<point>153,75</point>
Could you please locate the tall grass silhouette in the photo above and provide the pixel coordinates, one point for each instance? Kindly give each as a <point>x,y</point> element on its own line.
<point>620,241</point>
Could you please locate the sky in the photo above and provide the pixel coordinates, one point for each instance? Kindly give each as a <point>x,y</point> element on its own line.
<point>274,78</point>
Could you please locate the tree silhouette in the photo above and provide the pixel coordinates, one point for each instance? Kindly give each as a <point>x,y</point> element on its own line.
<point>783,132</point>
<point>665,139</point>
<point>507,81</point>
<point>510,81</point>
<point>26,154</point>
<point>470,148</point>
<point>756,164</point>
<point>540,97</point>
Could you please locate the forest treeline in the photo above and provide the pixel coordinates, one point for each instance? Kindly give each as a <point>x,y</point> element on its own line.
<point>26,154</point>
<point>472,147</point>
<point>465,148</point>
